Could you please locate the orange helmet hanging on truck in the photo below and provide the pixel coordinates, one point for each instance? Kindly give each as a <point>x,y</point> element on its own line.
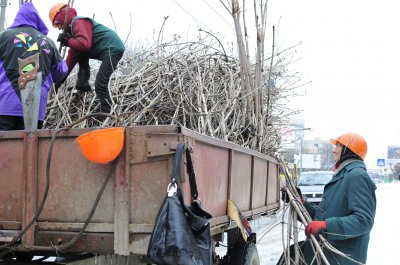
<point>102,146</point>
<point>355,142</point>
<point>54,11</point>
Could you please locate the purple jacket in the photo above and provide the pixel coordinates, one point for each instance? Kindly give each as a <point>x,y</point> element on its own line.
<point>26,37</point>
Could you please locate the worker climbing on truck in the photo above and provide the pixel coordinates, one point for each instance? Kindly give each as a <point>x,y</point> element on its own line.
<point>26,41</point>
<point>88,39</point>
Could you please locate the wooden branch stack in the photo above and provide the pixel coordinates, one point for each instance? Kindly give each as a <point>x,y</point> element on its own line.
<point>191,84</point>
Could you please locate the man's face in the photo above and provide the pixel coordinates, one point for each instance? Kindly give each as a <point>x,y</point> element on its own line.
<point>337,150</point>
<point>57,24</point>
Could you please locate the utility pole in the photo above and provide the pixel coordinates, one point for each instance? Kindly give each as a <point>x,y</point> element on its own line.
<point>301,153</point>
<point>3,5</point>
<point>301,133</point>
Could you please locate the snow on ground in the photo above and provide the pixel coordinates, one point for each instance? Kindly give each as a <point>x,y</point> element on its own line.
<point>269,238</point>
<point>383,247</point>
<point>385,235</point>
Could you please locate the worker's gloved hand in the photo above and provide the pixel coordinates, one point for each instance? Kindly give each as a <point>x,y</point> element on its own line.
<point>63,38</point>
<point>315,228</point>
<point>57,86</point>
<point>285,196</point>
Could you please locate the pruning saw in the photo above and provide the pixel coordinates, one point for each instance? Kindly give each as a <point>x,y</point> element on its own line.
<point>29,83</point>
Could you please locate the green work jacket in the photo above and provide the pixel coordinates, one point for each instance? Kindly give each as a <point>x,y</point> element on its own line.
<point>348,206</point>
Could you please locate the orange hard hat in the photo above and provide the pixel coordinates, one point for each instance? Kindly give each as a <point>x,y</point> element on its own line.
<point>354,142</point>
<point>54,11</point>
<point>102,146</point>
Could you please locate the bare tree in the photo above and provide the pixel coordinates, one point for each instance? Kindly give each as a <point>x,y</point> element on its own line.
<point>258,82</point>
<point>395,170</point>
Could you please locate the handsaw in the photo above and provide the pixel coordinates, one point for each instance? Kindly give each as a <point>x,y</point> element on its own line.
<point>29,83</point>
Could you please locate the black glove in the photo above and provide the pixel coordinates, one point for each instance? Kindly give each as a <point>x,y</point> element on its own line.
<point>57,86</point>
<point>63,38</point>
<point>285,196</point>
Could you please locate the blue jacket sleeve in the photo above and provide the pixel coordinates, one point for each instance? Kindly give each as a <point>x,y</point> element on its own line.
<point>59,71</point>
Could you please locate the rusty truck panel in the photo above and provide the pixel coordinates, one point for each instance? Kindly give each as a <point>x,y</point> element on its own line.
<point>124,218</point>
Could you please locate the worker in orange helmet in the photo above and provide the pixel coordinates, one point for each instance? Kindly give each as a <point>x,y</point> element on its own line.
<point>346,213</point>
<point>88,39</point>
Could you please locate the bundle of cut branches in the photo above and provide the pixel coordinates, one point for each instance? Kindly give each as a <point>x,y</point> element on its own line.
<point>191,84</point>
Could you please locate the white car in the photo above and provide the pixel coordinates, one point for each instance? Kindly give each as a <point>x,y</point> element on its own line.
<point>312,184</point>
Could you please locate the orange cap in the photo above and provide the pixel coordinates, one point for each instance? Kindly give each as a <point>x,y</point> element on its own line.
<point>102,146</point>
<point>354,142</point>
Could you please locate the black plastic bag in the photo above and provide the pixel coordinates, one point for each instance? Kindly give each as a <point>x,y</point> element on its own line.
<point>181,234</point>
<point>199,221</point>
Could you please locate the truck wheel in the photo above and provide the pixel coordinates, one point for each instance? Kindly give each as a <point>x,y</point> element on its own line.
<point>250,256</point>
<point>24,256</point>
<point>243,254</point>
<point>301,245</point>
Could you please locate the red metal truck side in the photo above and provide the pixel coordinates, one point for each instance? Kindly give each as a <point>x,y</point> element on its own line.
<point>124,217</point>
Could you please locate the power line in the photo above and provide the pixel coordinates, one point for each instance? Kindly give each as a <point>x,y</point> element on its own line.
<point>198,21</point>
<point>230,25</point>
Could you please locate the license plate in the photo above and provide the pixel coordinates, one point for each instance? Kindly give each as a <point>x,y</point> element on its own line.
<point>314,199</point>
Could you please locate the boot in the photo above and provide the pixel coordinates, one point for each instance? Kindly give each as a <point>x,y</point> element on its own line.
<point>83,87</point>
<point>82,84</point>
<point>105,108</point>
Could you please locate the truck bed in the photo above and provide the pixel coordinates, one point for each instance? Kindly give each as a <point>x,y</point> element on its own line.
<point>124,218</point>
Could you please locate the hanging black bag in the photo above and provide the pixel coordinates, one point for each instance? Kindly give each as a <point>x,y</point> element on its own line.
<point>181,234</point>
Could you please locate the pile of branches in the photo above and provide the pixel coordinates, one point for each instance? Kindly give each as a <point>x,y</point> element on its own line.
<point>191,84</point>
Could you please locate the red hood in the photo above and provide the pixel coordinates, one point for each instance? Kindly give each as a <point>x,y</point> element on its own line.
<point>60,17</point>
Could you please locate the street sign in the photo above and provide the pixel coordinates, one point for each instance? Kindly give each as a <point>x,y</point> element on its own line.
<point>381,162</point>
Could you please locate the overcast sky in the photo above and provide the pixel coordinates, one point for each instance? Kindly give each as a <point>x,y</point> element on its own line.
<point>349,52</point>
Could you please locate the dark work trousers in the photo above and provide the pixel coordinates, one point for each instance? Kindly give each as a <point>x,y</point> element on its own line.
<point>107,67</point>
<point>82,84</point>
<point>9,123</point>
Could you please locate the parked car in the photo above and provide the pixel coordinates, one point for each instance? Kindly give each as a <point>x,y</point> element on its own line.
<point>376,177</point>
<point>312,184</point>
<point>377,181</point>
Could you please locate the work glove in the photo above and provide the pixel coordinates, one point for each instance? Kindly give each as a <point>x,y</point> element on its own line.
<point>315,228</point>
<point>63,38</point>
<point>57,85</point>
<point>285,196</point>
